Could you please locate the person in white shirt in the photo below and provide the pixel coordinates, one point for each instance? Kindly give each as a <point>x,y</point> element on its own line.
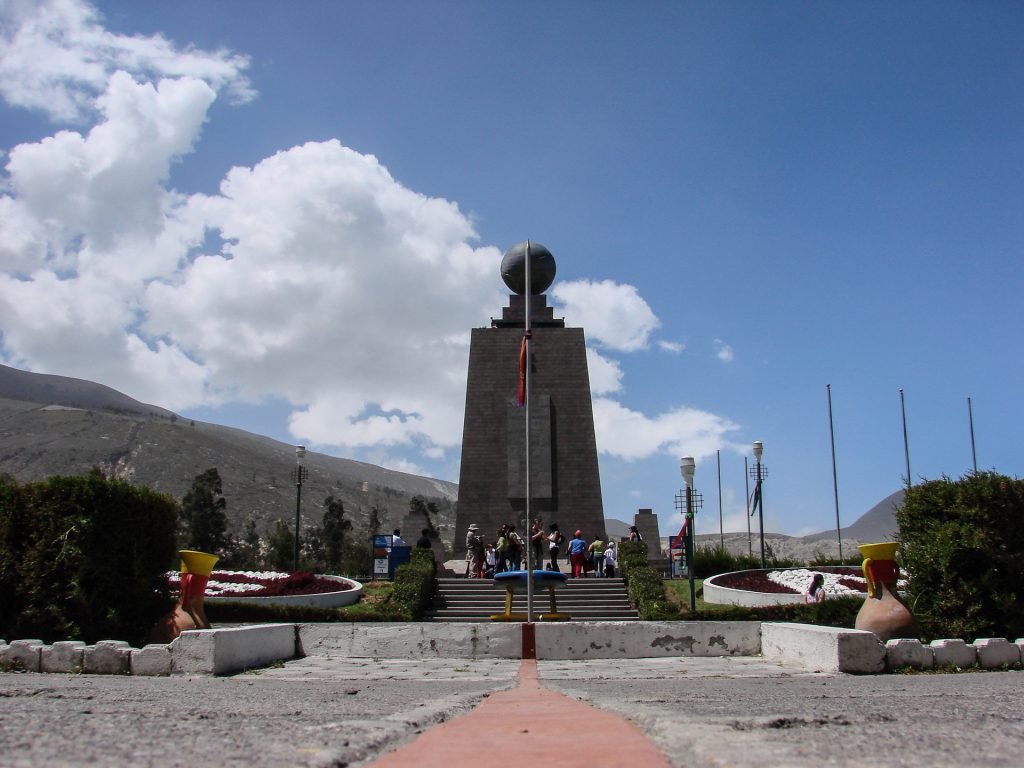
<point>397,540</point>
<point>609,560</point>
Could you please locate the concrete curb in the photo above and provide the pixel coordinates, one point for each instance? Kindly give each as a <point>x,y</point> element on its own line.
<point>824,649</point>
<point>223,651</point>
<point>640,640</point>
<point>411,640</point>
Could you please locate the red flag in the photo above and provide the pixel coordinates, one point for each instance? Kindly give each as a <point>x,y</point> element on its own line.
<point>522,368</point>
<point>682,533</point>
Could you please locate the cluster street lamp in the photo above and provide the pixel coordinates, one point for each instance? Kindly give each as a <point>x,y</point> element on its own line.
<point>759,473</point>
<point>687,466</point>
<point>300,473</point>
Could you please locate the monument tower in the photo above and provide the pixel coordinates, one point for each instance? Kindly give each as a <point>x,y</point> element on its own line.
<point>565,484</point>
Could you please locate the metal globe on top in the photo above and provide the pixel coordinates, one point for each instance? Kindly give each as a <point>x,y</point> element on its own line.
<point>542,268</point>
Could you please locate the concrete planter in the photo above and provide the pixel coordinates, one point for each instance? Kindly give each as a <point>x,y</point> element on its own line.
<point>713,593</point>
<point>350,593</point>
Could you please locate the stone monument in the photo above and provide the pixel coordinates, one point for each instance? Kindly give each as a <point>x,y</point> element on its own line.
<point>565,484</point>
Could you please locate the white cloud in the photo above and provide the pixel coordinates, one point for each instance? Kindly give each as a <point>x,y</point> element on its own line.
<point>605,374</point>
<point>724,353</point>
<point>313,277</point>
<point>631,435</point>
<point>55,56</point>
<point>613,314</point>
<point>674,347</point>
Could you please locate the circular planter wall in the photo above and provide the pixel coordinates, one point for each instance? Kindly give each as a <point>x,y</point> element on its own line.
<point>349,592</point>
<point>714,593</point>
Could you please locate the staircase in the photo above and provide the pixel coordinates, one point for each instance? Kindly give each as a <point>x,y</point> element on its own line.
<point>588,599</point>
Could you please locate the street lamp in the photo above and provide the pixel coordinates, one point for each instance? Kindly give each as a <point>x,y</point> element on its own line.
<point>301,473</point>
<point>687,466</point>
<point>760,472</point>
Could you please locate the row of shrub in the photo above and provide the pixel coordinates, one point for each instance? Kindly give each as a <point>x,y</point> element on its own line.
<point>84,558</point>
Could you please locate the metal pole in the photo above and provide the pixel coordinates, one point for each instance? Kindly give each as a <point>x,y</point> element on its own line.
<point>530,565</point>
<point>970,417</point>
<point>835,482</point>
<point>906,445</point>
<point>760,510</point>
<point>690,548</point>
<point>721,524</point>
<point>298,508</point>
<point>746,485</point>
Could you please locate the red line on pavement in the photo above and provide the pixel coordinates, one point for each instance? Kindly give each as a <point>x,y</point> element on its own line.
<point>528,723</point>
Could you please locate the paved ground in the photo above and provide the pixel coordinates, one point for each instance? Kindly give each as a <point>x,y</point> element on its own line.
<point>700,712</point>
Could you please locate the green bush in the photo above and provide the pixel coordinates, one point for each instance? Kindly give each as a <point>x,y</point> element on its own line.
<point>83,558</point>
<point>710,560</point>
<point>962,543</point>
<point>415,584</point>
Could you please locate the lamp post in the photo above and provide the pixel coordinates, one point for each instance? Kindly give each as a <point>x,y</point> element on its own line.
<point>760,472</point>
<point>301,473</point>
<point>687,466</point>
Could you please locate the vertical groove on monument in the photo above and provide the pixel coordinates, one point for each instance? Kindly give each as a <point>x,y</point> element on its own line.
<point>564,476</point>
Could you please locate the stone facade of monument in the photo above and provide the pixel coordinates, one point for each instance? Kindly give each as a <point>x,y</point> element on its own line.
<point>564,476</point>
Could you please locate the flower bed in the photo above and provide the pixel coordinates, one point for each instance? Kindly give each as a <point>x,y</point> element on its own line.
<point>774,587</point>
<point>277,588</point>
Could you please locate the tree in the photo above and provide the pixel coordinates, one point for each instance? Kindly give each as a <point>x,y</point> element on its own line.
<point>417,504</point>
<point>281,547</point>
<point>333,533</point>
<point>245,553</point>
<point>204,523</point>
<point>962,544</point>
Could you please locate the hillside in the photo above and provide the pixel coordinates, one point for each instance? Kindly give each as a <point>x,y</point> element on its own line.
<point>58,425</point>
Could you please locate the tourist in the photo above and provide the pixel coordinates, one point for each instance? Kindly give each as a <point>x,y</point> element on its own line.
<point>609,560</point>
<point>490,562</point>
<point>423,542</point>
<point>501,548</point>
<point>555,541</point>
<point>515,550</point>
<point>596,552</point>
<point>397,540</point>
<point>537,543</point>
<point>815,590</point>
<point>577,554</point>
<point>474,553</point>
<point>634,534</point>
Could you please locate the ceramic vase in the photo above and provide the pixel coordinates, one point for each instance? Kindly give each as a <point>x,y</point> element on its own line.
<point>189,613</point>
<point>884,611</point>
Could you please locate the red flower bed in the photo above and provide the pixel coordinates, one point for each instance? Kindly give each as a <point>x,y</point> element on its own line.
<point>758,581</point>
<point>752,582</point>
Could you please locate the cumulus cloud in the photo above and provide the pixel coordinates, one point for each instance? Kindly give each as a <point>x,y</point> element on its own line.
<point>605,374</point>
<point>671,346</point>
<point>724,351</point>
<point>312,277</point>
<point>614,314</point>
<point>56,57</point>
<point>631,435</point>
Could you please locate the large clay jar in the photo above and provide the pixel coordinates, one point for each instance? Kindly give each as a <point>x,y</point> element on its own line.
<point>196,568</point>
<point>884,611</point>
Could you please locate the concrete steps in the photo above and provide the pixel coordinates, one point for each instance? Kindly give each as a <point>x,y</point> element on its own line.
<point>587,599</point>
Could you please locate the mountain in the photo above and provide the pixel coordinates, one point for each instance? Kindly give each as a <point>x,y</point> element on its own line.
<point>52,425</point>
<point>877,524</point>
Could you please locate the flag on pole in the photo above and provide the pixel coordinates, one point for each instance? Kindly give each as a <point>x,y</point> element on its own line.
<point>682,532</point>
<point>755,497</point>
<point>522,368</point>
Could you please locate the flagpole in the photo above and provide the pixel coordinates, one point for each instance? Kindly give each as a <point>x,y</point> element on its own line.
<point>530,565</point>
<point>835,481</point>
<point>721,524</point>
<point>746,483</point>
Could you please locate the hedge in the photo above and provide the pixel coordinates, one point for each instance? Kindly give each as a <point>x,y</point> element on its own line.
<point>962,544</point>
<point>83,558</point>
<point>415,584</point>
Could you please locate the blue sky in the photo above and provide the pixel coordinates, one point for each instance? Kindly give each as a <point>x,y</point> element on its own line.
<point>286,218</point>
